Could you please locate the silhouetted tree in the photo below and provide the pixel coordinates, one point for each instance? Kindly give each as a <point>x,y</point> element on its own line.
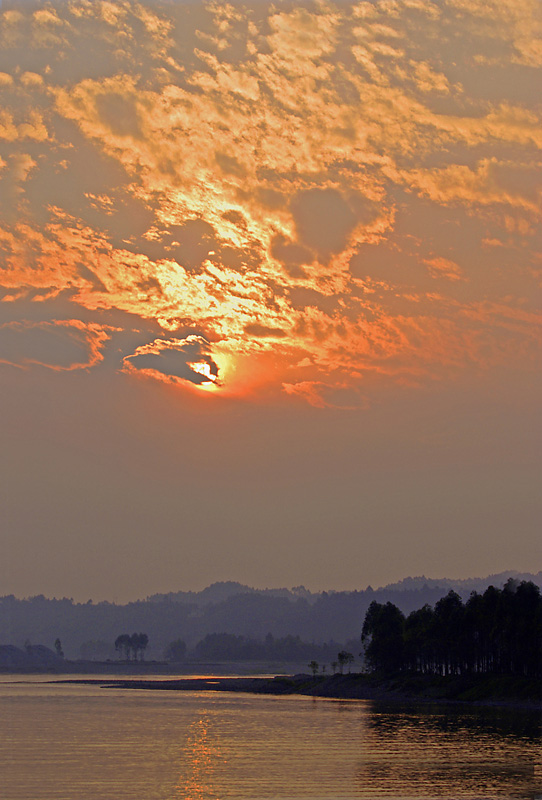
<point>449,614</point>
<point>175,651</point>
<point>344,658</point>
<point>123,643</point>
<point>139,643</point>
<point>498,632</point>
<point>314,667</point>
<point>419,647</point>
<point>382,637</point>
<point>58,648</point>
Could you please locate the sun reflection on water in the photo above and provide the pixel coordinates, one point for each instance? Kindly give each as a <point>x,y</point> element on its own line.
<point>199,758</point>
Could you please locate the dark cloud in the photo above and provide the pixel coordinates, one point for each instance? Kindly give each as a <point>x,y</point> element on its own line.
<point>75,45</point>
<point>323,219</point>
<point>264,330</point>
<point>291,255</point>
<point>73,175</point>
<point>59,345</point>
<point>301,297</point>
<point>236,217</point>
<point>271,198</point>
<point>230,165</point>
<point>195,241</point>
<point>150,285</point>
<point>119,113</point>
<point>177,358</point>
<point>88,275</point>
<point>190,243</point>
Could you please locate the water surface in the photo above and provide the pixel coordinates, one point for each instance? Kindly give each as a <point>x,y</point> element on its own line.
<point>84,742</point>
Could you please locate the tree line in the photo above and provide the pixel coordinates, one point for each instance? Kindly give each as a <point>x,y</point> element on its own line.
<point>229,647</point>
<point>497,632</point>
<point>94,626</point>
<point>136,643</point>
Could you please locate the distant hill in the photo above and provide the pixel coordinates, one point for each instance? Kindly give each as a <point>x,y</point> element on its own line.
<point>223,590</point>
<point>461,585</point>
<point>89,630</point>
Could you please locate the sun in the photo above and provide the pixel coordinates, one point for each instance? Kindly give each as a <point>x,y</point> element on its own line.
<point>203,368</point>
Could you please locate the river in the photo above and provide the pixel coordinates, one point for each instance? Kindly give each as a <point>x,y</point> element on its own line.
<point>85,742</point>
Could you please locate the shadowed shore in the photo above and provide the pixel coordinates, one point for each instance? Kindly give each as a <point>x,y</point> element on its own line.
<point>402,689</point>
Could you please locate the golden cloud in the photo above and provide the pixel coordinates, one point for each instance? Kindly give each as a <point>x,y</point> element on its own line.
<point>286,185</point>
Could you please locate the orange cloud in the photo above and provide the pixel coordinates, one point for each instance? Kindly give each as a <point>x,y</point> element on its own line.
<point>278,186</point>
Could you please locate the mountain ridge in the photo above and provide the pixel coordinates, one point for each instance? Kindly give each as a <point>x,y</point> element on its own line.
<point>89,630</point>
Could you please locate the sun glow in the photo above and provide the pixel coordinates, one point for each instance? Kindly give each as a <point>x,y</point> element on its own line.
<point>202,368</point>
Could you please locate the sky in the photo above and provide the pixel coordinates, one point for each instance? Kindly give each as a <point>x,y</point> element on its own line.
<point>270,293</point>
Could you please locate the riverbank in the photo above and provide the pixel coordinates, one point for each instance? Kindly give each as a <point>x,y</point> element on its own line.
<point>494,690</point>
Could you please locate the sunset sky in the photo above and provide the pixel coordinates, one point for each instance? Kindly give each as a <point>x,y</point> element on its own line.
<point>270,284</point>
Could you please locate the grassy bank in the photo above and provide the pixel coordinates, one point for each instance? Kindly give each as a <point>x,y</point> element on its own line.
<point>473,689</point>
<point>498,690</point>
<point>469,688</point>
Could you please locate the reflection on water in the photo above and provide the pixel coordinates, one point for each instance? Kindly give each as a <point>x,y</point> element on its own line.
<point>72,742</point>
<point>432,752</point>
<point>199,760</point>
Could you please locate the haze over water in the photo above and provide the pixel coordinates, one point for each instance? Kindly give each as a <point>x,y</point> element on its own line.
<point>74,742</point>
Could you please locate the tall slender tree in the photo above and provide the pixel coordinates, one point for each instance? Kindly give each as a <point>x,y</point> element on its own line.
<point>498,632</point>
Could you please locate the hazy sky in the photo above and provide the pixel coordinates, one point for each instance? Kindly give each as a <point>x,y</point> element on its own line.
<point>270,283</point>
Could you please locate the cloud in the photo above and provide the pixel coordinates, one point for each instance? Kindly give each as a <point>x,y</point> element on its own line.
<point>293,256</point>
<point>253,329</point>
<point>326,395</point>
<point>444,268</point>
<point>290,183</point>
<point>119,113</point>
<point>491,183</point>
<point>175,360</point>
<point>323,219</point>
<point>60,345</point>
<point>191,243</point>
